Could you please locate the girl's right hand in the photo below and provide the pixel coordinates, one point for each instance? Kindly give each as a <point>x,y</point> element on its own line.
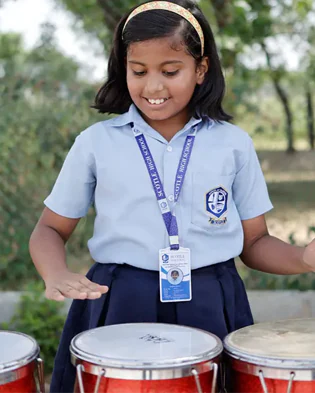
<point>73,286</point>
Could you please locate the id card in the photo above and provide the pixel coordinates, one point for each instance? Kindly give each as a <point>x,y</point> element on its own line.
<point>175,275</point>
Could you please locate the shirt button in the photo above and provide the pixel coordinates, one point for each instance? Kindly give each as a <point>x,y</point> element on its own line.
<point>169,148</point>
<point>171,198</point>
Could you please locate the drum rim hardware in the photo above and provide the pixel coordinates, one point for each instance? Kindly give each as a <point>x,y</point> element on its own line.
<point>193,372</point>
<point>264,386</point>
<point>280,363</point>
<point>146,373</point>
<point>284,373</point>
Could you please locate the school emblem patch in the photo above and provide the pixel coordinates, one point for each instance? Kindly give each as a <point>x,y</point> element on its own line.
<point>216,205</point>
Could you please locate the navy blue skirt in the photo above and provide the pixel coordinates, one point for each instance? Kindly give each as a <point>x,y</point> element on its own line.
<point>219,305</point>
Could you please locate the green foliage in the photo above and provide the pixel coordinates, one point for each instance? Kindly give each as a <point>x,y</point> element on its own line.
<point>303,7</point>
<point>10,45</point>
<point>43,108</point>
<point>41,319</point>
<point>99,17</point>
<point>255,280</point>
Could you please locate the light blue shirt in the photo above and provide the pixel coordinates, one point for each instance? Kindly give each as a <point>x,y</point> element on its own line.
<point>224,184</point>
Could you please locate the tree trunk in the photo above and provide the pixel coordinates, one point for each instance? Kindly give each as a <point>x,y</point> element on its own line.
<point>288,113</point>
<point>284,100</point>
<point>111,14</point>
<point>222,11</point>
<point>310,118</point>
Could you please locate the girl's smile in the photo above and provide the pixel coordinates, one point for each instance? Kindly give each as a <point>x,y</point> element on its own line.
<point>157,102</point>
<point>161,78</point>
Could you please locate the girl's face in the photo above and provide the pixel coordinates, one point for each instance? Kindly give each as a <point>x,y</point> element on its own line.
<point>162,80</point>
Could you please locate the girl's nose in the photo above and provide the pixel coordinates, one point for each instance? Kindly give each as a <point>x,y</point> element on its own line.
<point>154,85</point>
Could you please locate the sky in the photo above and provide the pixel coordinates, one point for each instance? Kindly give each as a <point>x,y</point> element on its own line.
<point>26,16</point>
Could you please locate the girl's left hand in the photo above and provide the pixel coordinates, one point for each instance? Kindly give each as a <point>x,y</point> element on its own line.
<point>309,255</point>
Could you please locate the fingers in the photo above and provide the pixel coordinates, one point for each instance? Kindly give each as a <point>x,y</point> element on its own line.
<point>93,287</point>
<point>76,287</point>
<point>92,290</point>
<point>54,294</point>
<point>76,290</point>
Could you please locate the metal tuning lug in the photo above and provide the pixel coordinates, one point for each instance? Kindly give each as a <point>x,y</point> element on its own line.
<point>80,368</point>
<point>41,377</point>
<point>98,381</point>
<point>197,380</point>
<point>292,375</point>
<point>262,381</point>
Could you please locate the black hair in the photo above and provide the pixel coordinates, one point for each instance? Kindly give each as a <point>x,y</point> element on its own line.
<point>114,97</point>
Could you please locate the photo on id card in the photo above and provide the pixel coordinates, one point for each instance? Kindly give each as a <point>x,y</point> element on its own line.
<point>175,275</point>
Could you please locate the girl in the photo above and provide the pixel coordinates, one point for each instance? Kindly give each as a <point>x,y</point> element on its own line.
<point>174,185</point>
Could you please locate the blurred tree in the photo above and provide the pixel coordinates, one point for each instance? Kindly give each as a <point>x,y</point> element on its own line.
<point>308,66</point>
<point>43,106</point>
<point>239,25</point>
<point>294,21</point>
<point>248,23</point>
<point>99,17</point>
<point>12,54</point>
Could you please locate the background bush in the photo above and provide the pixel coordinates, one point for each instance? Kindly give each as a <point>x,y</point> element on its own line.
<point>41,319</point>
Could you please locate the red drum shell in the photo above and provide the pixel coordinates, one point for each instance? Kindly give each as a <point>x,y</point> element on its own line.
<point>279,354</point>
<point>24,384</point>
<point>246,383</point>
<point>177,385</point>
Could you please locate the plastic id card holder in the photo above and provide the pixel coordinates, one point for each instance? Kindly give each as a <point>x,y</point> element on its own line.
<point>175,275</point>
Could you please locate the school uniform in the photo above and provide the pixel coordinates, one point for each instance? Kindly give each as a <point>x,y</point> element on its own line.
<point>223,185</point>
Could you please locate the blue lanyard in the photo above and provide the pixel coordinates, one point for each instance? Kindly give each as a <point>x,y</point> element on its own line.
<point>169,218</point>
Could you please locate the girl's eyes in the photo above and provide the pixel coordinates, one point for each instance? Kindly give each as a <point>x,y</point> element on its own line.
<point>142,73</point>
<point>139,73</point>
<point>173,73</point>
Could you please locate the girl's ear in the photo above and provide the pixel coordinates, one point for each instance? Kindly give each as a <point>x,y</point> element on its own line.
<point>202,69</point>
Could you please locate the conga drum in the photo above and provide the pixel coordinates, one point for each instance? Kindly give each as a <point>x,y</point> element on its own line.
<point>146,358</point>
<point>20,366</point>
<point>273,357</point>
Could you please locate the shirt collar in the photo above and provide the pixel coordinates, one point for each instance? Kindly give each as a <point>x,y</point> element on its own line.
<point>133,116</point>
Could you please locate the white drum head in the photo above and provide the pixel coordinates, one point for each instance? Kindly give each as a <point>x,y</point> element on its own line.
<point>16,350</point>
<point>279,343</point>
<point>148,345</point>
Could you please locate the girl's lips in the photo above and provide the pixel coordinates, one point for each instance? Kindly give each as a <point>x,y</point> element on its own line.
<point>156,105</point>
